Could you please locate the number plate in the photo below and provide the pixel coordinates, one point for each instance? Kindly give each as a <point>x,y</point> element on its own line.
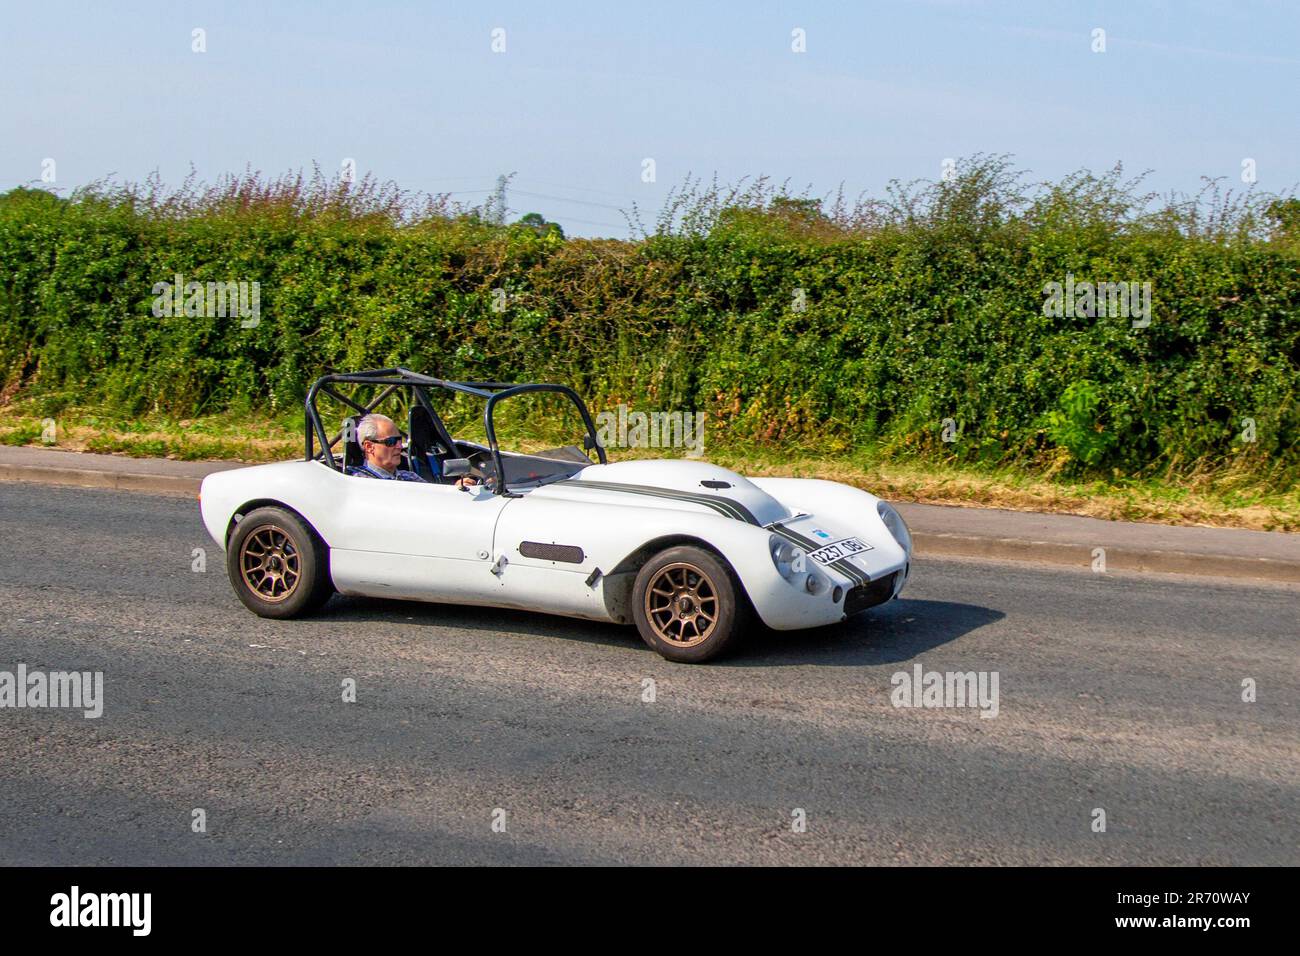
<point>840,549</point>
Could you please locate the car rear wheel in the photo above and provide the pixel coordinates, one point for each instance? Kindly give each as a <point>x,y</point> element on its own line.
<point>278,565</point>
<point>688,605</point>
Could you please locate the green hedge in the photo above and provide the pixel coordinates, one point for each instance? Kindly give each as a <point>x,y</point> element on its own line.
<point>905,325</point>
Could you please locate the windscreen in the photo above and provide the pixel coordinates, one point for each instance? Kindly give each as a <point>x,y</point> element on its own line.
<point>545,424</point>
<point>541,436</point>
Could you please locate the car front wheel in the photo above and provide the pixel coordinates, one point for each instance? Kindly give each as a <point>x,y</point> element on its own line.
<point>688,605</point>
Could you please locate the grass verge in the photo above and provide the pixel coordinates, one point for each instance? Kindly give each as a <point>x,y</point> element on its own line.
<point>1211,500</point>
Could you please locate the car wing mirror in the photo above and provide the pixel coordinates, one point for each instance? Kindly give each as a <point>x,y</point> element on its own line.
<point>455,467</point>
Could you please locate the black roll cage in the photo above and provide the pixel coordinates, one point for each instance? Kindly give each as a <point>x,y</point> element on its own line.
<point>392,379</point>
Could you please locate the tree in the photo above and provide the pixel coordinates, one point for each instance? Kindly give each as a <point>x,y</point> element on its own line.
<point>1286,213</point>
<point>537,222</point>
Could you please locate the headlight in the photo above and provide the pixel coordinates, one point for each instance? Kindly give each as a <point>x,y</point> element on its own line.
<point>896,525</point>
<point>789,559</point>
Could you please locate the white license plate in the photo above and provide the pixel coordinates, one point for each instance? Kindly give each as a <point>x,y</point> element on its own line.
<point>840,549</point>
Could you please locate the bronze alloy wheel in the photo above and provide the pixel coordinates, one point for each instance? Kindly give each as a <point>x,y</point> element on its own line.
<point>270,563</point>
<point>681,605</point>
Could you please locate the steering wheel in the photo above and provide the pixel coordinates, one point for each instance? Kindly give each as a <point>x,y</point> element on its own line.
<point>484,469</point>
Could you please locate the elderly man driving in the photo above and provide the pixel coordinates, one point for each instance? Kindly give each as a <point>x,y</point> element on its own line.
<point>381,443</point>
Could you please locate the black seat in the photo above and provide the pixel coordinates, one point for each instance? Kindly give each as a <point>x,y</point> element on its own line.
<point>353,456</point>
<point>427,448</point>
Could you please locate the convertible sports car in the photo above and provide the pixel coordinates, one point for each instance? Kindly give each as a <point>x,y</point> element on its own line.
<point>687,551</point>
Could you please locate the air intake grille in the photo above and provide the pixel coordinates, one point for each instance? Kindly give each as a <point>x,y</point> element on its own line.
<point>568,553</point>
<point>869,595</point>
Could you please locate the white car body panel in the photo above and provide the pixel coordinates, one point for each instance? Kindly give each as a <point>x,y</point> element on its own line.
<point>430,542</point>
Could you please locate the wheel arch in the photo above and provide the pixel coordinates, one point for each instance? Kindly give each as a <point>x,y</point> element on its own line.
<point>621,578</point>
<point>255,503</point>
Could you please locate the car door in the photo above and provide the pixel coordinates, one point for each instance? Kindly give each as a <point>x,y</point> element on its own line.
<point>546,555</point>
<point>407,539</point>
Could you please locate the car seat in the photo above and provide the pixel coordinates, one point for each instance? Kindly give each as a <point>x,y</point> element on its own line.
<point>353,456</point>
<point>427,450</point>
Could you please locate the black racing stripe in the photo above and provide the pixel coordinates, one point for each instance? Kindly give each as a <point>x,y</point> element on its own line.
<point>732,509</point>
<point>724,506</point>
<point>807,543</point>
<point>717,506</point>
<point>849,570</point>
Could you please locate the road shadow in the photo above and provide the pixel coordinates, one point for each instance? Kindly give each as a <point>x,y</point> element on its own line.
<point>889,634</point>
<point>467,617</point>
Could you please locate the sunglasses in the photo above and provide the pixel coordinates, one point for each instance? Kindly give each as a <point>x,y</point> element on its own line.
<point>390,441</point>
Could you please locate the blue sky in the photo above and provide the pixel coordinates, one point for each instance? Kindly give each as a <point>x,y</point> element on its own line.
<point>584,92</point>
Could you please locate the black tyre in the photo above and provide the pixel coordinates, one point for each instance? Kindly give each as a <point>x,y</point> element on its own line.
<point>278,565</point>
<point>688,605</point>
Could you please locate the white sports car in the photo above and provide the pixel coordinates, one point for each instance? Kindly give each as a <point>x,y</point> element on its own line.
<point>688,551</point>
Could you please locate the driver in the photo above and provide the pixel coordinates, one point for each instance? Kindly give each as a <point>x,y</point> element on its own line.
<point>382,444</point>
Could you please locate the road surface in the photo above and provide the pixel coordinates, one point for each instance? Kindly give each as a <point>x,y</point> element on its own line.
<point>1116,692</point>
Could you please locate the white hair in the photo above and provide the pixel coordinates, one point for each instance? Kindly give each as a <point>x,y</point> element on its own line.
<point>368,427</point>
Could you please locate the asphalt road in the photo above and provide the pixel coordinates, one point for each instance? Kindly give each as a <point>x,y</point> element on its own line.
<point>1119,692</point>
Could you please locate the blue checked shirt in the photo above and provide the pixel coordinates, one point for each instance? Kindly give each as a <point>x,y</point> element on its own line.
<point>367,470</point>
